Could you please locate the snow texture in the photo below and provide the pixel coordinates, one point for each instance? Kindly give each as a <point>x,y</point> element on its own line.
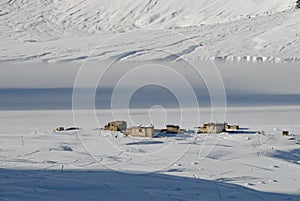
<point>76,30</point>
<point>38,163</point>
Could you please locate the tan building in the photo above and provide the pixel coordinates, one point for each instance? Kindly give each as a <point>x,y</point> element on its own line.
<point>141,131</point>
<point>231,127</point>
<point>212,128</point>
<point>116,126</point>
<point>172,129</point>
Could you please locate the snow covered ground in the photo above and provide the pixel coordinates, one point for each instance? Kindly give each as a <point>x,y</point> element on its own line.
<point>45,43</point>
<point>68,31</point>
<point>37,163</point>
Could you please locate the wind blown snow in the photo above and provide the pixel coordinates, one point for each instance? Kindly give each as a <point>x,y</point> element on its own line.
<point>232,30</point>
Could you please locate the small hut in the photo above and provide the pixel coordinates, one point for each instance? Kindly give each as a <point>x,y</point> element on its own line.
<point>212,128</point>
<point>285,133</point>
<point>141,131</point>
<point>68,129</point>
<point>231,127</point>
<point>116,126</point>
<point>172,128</point>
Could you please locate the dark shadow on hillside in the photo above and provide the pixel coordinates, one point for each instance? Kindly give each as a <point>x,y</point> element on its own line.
<point>110,185</point>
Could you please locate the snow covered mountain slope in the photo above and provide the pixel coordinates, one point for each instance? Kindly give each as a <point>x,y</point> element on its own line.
<point>61,30</point>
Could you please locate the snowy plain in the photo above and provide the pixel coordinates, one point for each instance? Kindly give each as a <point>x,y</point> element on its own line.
<point>37,163</point>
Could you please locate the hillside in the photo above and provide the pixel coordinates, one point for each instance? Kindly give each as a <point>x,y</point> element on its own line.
<point>61,30</point>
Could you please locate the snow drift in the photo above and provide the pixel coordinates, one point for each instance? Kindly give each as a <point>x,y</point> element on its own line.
<point>100,15</point>
<point>49,28</point>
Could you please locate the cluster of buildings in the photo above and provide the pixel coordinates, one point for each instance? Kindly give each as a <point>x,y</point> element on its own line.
<point>137,131</point>
<point>214,128</point>
<point>149,131</point>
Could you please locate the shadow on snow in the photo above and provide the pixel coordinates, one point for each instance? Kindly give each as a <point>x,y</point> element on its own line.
<point>109,185</point>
